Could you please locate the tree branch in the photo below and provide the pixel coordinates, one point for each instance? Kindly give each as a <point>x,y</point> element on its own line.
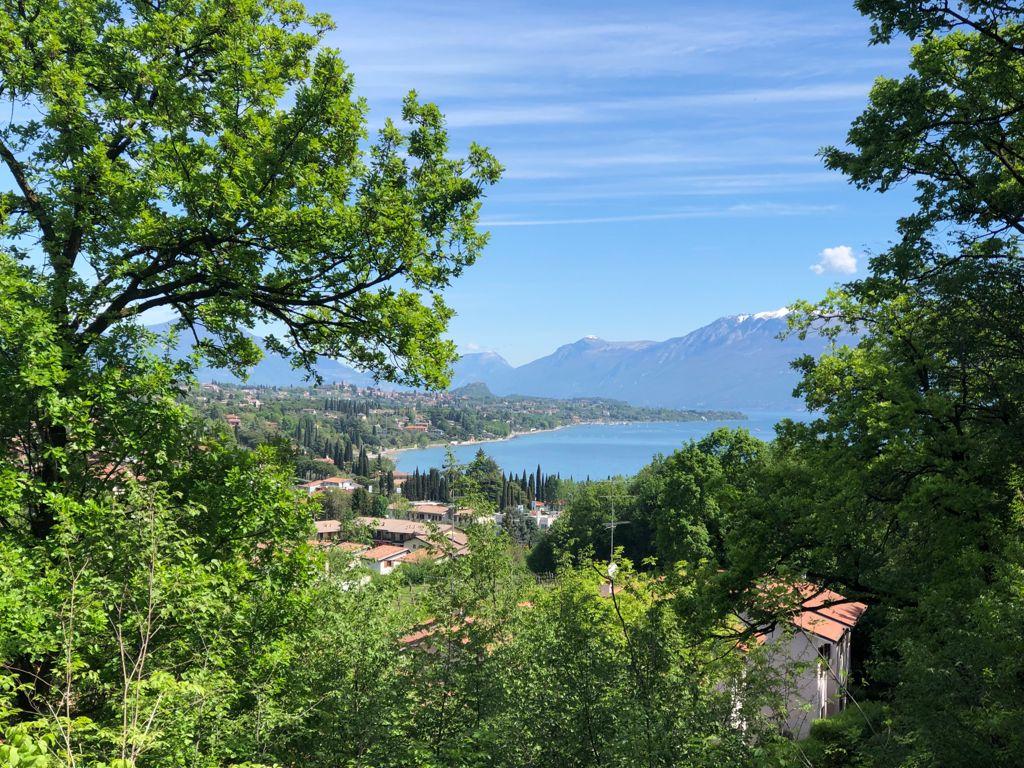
<point>35,205</point>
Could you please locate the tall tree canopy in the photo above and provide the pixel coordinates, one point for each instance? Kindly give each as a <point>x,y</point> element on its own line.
<point>212,159</point>
<point>209,159</point>
<point>906,493</point>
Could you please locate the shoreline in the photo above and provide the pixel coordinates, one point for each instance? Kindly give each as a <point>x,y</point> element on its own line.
<point>392,453</point>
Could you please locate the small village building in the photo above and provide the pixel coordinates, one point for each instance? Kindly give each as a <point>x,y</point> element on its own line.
<point>327,530</point>
<point>329,483</point>
<point>383,559</point>
<point>429,512</point>
<point>388,530</point>
<point>433,512</point>
<point>812,653</point>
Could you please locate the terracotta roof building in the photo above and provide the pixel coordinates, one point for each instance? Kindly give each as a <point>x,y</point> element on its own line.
<point>384,558</point>
<point>811,651</point>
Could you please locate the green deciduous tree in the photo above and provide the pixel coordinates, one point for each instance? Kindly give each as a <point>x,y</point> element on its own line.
<point>689,501</point>
<point>906,491</point>
<point>212,161</point>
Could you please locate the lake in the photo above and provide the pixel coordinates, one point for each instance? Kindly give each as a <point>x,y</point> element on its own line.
<point>592,450</point>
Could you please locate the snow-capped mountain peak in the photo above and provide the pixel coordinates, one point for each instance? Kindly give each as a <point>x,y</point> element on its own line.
<point>774,314</point>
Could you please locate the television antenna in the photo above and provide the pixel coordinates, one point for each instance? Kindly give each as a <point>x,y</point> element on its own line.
<point>611,526</point>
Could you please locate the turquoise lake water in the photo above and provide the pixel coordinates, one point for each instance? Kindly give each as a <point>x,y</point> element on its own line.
<point>592,450</point>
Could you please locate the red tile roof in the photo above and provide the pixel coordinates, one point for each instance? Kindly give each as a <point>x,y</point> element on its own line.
<point>423,554</point>
<point>414,528</point>
<point>814,609</point>
<point>826,613</point>
<point>429,628</point>
<point>327,526</point>
<point>430,507</point>
<point>384,552</point>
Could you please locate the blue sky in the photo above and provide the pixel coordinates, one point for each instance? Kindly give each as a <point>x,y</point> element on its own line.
<point>660,156</point>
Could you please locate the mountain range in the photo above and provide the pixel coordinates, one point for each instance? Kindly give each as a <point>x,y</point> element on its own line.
<point>735,362</point>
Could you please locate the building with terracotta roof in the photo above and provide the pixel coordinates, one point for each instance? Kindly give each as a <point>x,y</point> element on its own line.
<point>328,483</point>
<point>327,530</point>
<point>433,512</point>
<point>383,559</point>
<point>429,511</point>
<point>812,652</point>
<point>389,530</point>
<point>425,555</point>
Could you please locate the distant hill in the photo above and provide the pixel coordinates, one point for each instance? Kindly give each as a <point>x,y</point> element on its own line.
<point>734,362</point>
<point>478,367</point>
<point>477,390</point>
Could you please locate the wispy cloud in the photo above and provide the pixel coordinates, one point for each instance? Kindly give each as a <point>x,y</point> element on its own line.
<point>518,114</point>
<point>642,183</point>
<point>597,111</point>
<point>436,46</point>
<point>587,108</point>
<point>752,210</point>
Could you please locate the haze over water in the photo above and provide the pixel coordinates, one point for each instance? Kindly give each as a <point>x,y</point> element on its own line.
<point>593,450</point>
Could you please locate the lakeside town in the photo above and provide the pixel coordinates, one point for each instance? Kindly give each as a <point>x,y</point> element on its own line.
<point>332,426</point>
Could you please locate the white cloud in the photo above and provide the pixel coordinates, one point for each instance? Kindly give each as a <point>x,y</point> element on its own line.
<point>839,259</point>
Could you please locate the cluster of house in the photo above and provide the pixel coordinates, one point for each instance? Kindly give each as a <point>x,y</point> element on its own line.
<point>396,542</point>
